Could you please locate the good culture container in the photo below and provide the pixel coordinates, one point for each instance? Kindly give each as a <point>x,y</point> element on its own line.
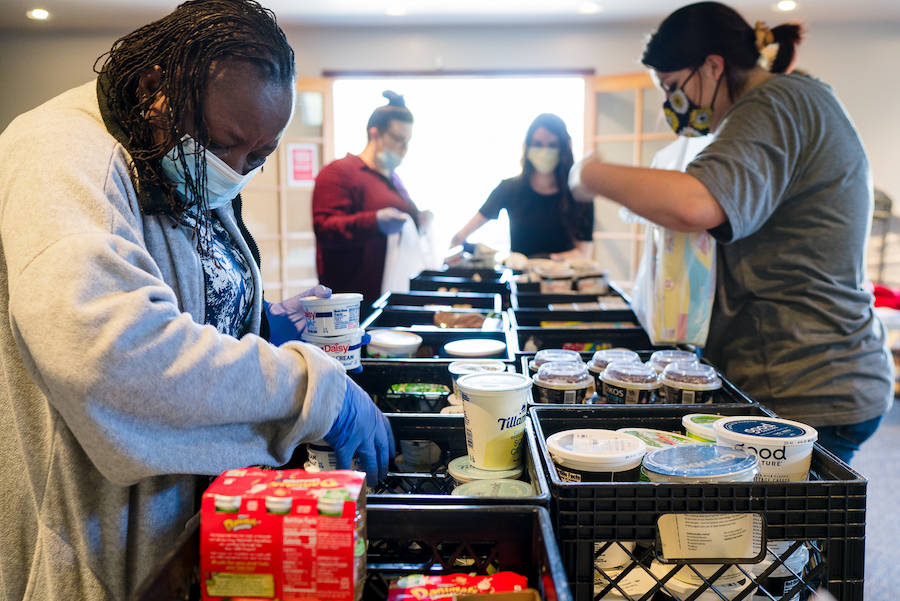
<point>331,316</point>
<point>660,359</point>
<point>393,344</point>
<point>475,347</point>
<point>784,577</point>
<point>562,382</point>
<point>593,455</point>
<point>552,354</point>
<point>603,358</point>
<point>628,383</point>
<point>699,426</point>
<point>688,382</point>
<point>494,405</point>
<point>783,447</point>
<point>681,590</point>
<point>346,348</point>
<point>474,366</point>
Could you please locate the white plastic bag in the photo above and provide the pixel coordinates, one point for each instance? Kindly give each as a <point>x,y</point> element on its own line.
<point>405,257</point>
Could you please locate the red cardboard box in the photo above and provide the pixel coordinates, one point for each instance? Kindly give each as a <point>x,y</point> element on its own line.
<point>283,534</point>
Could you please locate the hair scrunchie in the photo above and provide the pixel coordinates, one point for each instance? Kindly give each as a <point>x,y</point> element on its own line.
<point>764,36</point>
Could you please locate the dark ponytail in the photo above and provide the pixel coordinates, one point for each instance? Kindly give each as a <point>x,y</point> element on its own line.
<point>394,110</point>
<point>788,37</point>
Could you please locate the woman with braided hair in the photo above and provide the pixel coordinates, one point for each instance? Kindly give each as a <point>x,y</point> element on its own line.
<point>785,189</point>
<point>138,355</point>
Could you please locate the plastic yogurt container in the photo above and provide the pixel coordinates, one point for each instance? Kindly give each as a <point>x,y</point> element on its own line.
<point>551,354</point>
<point>783,578</point>
<point>783,447</point>
<point>345,348</point>
<point>635,584</point>
<point>660,359</point>
<point>589,455</point>
<point>658,439</point>
<point>228,503</point>
<point>278,504</point>
<point>699,426</point>
<point>473,366</point>
<point>628,383</point>
<point>603,358</point>
<point>393,344</point>
<point>331,316</point>
<point>562,382</point>
<point>614,555</point>
<point>462,471</point>
<point>689,382</point>
<point>681,590</point>
<point>475,347</point>
<point>700,463</point>
<point>495,407</point>
<point>322,458</point>
<point>494,488</point>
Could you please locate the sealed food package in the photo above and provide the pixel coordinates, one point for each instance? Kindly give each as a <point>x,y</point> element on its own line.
<point>628,383</point>
<point>689,382</point>
<point>551,354</point>
<point>603,358</point>
<point>660,359</point>
<point>562,382</point>
<point>283,534</point>
<point>421,587</point>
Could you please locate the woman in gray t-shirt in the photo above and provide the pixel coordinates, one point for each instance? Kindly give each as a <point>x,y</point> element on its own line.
<point>785,188</point>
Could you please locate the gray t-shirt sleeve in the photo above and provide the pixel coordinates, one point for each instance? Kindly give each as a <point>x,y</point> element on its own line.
<point>749,166</point>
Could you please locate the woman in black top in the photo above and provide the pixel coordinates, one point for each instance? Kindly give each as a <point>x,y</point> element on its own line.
<point>544,219</point>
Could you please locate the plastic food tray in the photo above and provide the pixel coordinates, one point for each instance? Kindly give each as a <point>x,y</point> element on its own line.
<point>433,342</point>
<point>463,285</point>
<point>829,510</point>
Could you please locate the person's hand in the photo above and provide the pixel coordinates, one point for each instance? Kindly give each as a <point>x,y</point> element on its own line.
<point>286,319</point>
<point>457,239</point>
<point>390,220</point>
<point>361,429</point>
<point>580,192</point>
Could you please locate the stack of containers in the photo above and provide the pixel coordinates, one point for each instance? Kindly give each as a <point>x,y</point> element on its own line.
<point>332,324</point>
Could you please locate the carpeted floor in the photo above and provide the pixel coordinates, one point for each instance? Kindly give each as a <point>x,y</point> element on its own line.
<point>879,462</point>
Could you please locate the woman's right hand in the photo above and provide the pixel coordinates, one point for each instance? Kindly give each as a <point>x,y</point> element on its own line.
<point>457,239</point>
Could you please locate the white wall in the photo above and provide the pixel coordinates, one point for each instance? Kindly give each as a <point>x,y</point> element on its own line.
<point>859,60</point>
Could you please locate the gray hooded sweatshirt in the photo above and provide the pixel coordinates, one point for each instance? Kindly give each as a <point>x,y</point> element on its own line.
<point>114,396</point>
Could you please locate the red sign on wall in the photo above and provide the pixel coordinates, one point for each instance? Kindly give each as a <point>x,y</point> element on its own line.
<point>303,164</point>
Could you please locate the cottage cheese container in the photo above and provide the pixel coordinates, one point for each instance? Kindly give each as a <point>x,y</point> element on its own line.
<point>783,447</point>
<point>603,358</point>
<point>473,366</point>
<point>475,347</point>
<point>562,382</point>
<point>700,426</point>
<point>629,384</point>
<point>689,382</point>
<point>393,344</point>
<point>592,455</point>
<point>552,354</point>
<point>660,359</point>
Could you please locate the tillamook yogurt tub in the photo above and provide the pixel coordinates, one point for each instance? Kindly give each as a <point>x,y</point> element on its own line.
<point>337,314</point>
<point>494,405</point>
<point>783,447</point>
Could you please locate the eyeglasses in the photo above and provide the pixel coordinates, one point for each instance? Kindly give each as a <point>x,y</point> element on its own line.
<point>399,140</point>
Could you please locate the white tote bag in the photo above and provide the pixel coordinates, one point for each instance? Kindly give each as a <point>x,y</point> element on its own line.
<point>403,258</point>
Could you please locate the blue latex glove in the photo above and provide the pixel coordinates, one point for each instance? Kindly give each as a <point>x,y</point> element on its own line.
<point>286,319</point>
<point>390,220</point>
<point>361,429</point>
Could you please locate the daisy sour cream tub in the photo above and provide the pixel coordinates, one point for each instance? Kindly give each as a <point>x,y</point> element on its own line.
<point>332,316</point>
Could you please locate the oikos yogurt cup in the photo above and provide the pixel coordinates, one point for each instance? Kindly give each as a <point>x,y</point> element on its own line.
<point>604,357</point>
<point>462,472</point>
<point>700,426</point>
<point>689,382</point>
<point>345,348</point>
<point>784,577</point>
<point>551,354</point>
<point>473,366</point>
<point>593,455</point>
<point>337,314</point>
<point>681,590</point>
<point>494,405</point>
<point>660,359</point>
<point>388,344</point>
<point>562,382</point>
<point>628,384</point>
<point>783,447</point>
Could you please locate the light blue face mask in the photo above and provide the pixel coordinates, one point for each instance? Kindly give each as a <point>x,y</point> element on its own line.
<point>389,160</point>
<point>222,182</point>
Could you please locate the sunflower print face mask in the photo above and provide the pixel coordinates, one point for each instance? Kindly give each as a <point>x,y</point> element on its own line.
<point>685,117</point>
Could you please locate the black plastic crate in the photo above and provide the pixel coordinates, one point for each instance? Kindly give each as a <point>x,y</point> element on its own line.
<point>409,539</point>
<point>483,273</point>
<point>433,342</point>
<point>828,510</point>
<point>436,486</point>
<point>453,285</point>
<point>535,316</point>
<point>729,393</point>
<point>421,298</point>
<point>419,318</point>
<point>530,339</point>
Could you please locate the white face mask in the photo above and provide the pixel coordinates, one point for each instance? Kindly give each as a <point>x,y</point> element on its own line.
<point>544,160</point>
<point>388,160</point>
<point>222,182</point>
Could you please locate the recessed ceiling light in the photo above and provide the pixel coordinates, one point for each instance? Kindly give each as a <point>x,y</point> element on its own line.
<point>589,8</point>
<point>786,5</point>
<point>396,11</point>
<point>38,14</point>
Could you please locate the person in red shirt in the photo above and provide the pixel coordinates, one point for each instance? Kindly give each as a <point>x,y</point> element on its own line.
<point>358,201</point>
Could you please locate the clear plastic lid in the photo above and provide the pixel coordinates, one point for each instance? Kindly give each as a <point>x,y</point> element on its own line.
<point>475,347</point>
<point>563,375</point>
<point>603,358</point>
<point>660,359</point>
<point>630,375</point>
<point>552,354</point>
<point>690,375</point>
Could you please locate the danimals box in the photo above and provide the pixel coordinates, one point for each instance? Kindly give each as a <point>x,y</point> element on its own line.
<point>283,534</point>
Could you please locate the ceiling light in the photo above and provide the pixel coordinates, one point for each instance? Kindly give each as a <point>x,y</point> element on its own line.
<point>395,11</point>
<point>786,5</point>
<point>589,8</point>
<point>38,14</point>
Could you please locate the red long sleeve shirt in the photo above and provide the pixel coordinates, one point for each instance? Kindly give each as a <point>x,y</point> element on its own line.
<point>349,248</point>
